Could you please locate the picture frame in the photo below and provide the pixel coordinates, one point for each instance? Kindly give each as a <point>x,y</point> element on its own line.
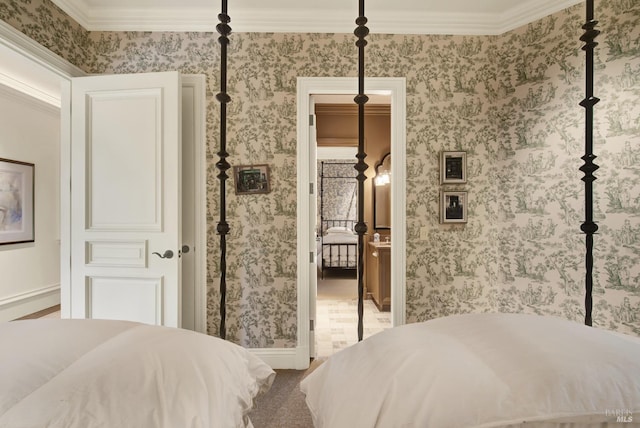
<point>16,202</point>
<point>453,206</point>
<point>453,167</point>
<point>251,179</point>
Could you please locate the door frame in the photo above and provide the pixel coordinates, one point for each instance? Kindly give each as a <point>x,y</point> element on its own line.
<point>396,88</point>
<point>64,70</point>
<point>199,211</point>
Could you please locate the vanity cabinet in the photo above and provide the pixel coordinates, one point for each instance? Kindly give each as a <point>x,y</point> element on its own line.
<point>379,274</point>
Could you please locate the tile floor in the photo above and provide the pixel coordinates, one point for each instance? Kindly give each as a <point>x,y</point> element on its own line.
<point>337,324</point>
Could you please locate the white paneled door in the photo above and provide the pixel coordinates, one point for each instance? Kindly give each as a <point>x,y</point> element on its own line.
<point>125,198</point>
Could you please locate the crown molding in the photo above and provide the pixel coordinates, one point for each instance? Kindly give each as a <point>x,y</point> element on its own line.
<point>306,20</point>
<point>9,85</point>
<point>530,11</point>
<point>19,42</point>
<point>352,109</point>
<point>337,142</point>
<point>332,152</point>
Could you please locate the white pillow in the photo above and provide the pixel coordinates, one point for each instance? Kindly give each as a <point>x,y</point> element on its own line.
<point>340,229</point>
<point>100,373</point>
<point>485,370</point>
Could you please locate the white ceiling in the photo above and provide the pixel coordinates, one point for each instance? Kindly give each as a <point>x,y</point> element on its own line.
<point>333,16</point>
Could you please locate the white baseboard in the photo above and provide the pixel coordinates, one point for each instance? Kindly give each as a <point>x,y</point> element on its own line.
<point>22,304</point>
<point>283,358</point>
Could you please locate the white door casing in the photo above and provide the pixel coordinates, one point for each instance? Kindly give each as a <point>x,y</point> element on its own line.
<point>125,198</point>
<point>313,219</point>
<point>194,226</point>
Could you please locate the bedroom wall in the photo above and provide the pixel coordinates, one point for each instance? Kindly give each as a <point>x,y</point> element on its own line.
<point>510,101</point>
<point>540,249</point>
<point>30,272</point>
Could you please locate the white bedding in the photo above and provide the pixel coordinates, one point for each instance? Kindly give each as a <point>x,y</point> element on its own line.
<point>94,373</point>
<point>488,370</point>
<point>342,256</point>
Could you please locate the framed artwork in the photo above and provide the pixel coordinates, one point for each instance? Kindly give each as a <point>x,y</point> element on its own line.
<point>453,207</point>
<point>251,179</point>
<point>16,202</point>
<point>453,167</point>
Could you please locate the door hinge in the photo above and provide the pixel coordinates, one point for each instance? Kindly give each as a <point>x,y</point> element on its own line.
<point>311,188</point>
<point>311,325</point>
<point>311,257</point>
<point>311,120</point>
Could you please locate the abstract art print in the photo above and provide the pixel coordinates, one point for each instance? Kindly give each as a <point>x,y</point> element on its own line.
<point>16,202</point>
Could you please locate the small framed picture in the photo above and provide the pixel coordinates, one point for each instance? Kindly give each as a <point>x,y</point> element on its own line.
<point>251,179</point>
<point>453,167</point>
<point>16,202</point>
<point>453,207</point>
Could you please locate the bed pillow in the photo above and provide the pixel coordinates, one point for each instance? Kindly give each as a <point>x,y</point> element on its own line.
<point>99,373</point>
<point>482,371</point>
<point>340,229</point>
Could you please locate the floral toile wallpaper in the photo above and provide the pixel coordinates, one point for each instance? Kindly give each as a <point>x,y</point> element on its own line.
<point>510,101</point>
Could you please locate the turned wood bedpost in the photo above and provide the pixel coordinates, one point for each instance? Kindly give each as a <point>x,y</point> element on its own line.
<point>361,32</point>
<point>589,227</point>
<point>224,30</point>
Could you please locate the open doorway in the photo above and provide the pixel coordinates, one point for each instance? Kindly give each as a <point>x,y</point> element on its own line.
<point>336,141</point>
<point>307,89</point>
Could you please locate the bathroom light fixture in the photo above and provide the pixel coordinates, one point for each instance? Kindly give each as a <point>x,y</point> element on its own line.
<point>382,178</point>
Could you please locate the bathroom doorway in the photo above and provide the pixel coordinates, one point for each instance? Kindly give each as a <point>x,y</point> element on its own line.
<point>307,87</point>
<point>336,141</point>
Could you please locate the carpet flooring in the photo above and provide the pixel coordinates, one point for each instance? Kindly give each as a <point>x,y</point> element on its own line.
<point>283,406</point>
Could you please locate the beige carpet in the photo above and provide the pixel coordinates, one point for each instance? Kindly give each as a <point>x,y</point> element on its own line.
<point>283,406</point>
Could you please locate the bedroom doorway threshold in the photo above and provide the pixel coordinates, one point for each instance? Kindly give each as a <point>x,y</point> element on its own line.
<point>336,316</point>
<point>308,86</point>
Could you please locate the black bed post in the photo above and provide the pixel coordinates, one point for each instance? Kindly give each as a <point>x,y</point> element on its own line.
<point>589,227</point>
<point>224,30</point>
<point>361,32</point>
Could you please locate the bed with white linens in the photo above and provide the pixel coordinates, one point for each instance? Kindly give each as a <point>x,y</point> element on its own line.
<point>481,371</point>
<point>105,373</point>
<point>338,247</point>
